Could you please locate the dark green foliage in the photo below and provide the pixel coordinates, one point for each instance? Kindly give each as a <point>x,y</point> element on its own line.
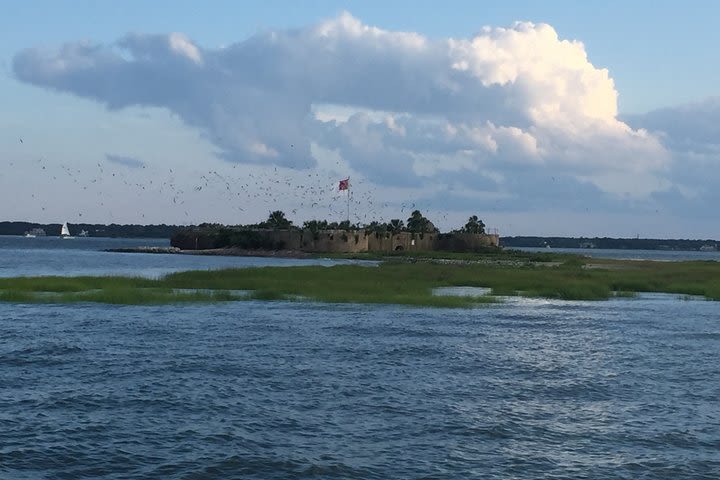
<point>315,227</point>
<point>417,223</point>
<point>276,221</point>
<point>474,225</point>
<point>377,228</point>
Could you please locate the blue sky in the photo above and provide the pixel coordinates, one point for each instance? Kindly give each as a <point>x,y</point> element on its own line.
<point>659,57</point>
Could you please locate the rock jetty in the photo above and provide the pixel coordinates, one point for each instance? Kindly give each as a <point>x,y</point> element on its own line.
<point>145,250</point>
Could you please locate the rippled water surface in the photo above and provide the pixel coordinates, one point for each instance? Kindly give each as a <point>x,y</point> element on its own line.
<point>20,256</point>
<point>528,389</point>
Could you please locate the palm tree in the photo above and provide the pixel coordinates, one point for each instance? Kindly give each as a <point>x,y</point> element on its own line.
<point>396,225</point>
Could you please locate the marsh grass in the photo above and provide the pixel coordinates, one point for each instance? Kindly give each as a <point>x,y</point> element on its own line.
<point>16,296</point>
<point>401,283</point>
<point>411,283</point>
<point>116,296</point>
<point>624,294</point>
<point>141,296</point>
<point>72,284</point>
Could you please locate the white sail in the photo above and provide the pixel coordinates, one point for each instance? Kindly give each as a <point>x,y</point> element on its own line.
<point>65,232</point>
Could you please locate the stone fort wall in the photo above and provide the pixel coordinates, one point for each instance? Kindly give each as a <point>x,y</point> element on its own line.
<point>351,241</point>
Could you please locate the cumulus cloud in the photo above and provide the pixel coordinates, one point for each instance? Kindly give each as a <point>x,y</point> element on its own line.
<point>691,133</point>
<point>694,127</point>
<point>472,112</point>
<point>124,161</point>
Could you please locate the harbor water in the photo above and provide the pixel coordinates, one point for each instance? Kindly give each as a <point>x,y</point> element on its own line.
<point>526,389</point>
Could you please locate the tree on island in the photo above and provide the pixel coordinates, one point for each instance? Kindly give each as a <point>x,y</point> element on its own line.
<point>377,228</point>
<point>417,223</point>
<point>346,225</point>
<point>315,226</point>
<point>277,221</point>
<point>474,225</point>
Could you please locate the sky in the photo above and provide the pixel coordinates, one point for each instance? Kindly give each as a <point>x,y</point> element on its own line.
<point>542,118</point>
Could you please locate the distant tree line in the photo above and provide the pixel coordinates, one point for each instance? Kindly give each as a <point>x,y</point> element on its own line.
<point>416,223</point>
<point>608,243</point>
<point>276,220</point>
<point>94,229</point>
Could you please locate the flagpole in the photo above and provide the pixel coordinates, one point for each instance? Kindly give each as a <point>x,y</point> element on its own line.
<point>345,185</point>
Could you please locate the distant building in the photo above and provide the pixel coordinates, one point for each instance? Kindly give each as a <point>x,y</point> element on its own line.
<point>35,232</point>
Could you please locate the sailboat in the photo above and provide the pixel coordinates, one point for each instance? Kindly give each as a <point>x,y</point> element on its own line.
<point>65,231</point>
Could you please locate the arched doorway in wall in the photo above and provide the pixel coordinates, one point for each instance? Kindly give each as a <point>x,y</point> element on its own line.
<point>399,247</point>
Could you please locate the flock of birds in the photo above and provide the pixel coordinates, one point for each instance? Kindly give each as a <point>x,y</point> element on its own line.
<point>230,193</point>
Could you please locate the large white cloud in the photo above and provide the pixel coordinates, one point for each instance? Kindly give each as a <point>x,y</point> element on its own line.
<point>471,111</point>
<point>691,133</point>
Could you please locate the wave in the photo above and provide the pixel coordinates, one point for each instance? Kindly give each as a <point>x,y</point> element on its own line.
<point>43,354</point>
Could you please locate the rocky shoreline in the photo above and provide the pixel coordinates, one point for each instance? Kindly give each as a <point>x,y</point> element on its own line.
<point>144,250</point>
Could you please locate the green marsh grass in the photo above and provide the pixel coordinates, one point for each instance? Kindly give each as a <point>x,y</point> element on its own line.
<point>392,282</point>
<point>141,296</point>
<point>72,284</point>
<point>16,296</point>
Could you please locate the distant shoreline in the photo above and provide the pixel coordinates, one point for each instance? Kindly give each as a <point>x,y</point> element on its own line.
<point>166,232</point>
<point>228,252</point>
<point>607,243</point>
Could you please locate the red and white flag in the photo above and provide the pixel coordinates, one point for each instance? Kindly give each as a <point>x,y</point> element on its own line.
<point>344,184</point>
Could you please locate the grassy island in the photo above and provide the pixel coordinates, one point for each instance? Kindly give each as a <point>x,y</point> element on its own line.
<point>396,280</point>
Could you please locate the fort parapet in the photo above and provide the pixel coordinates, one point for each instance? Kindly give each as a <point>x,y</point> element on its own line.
<point>332,241</point>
